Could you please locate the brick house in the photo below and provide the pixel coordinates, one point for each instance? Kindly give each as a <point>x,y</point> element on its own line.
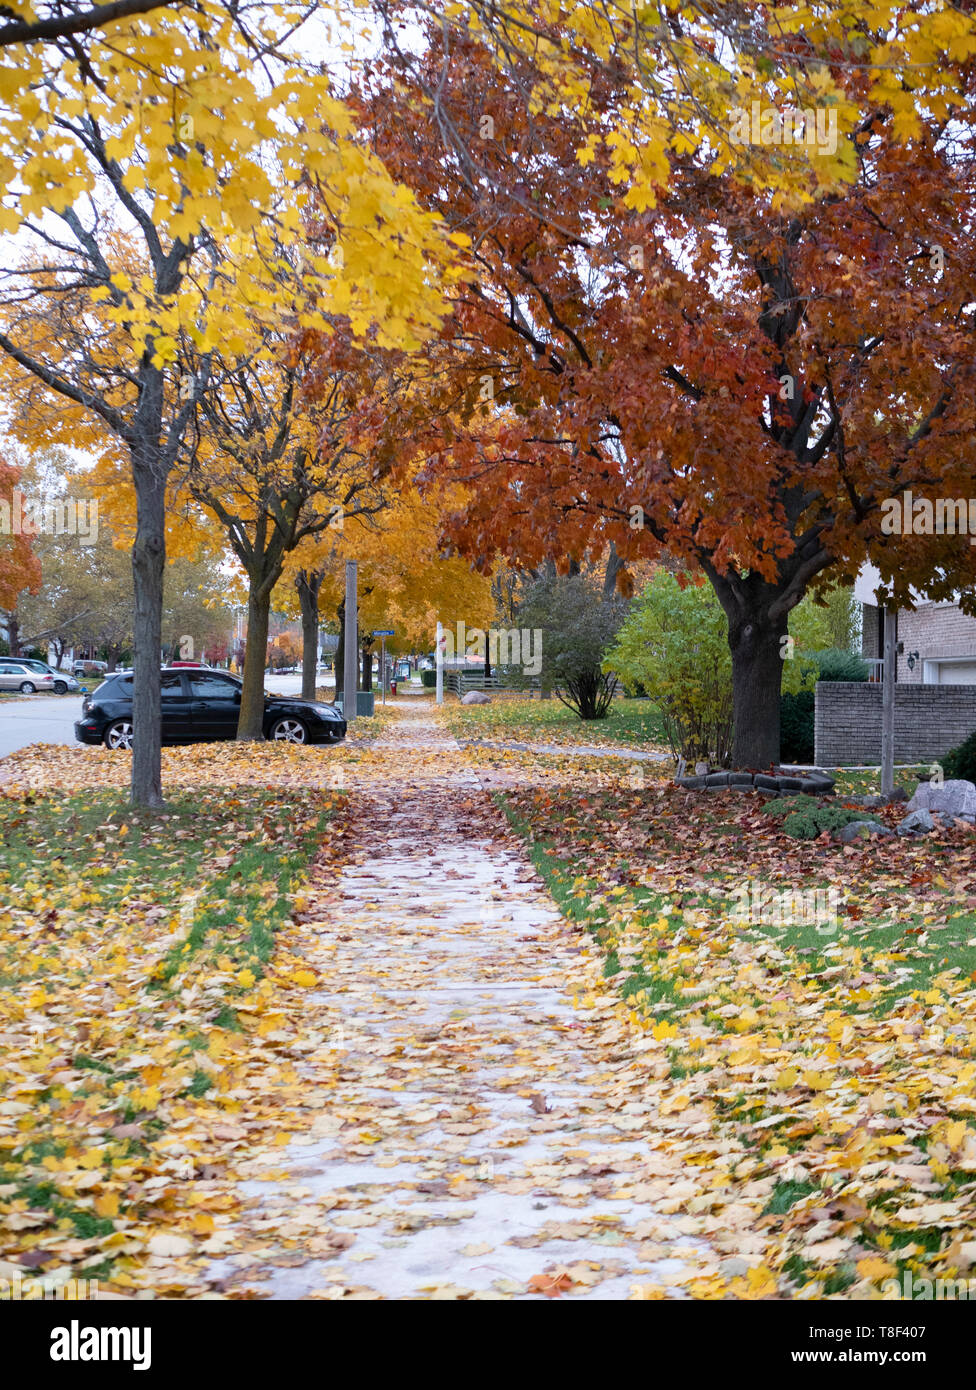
<point>936,643</point>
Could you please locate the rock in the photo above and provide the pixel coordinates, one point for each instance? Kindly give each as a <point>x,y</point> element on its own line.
<point>874,803</point>
<point>763,779</point>
<point>690,784</point>
<point>717,779</point>
<point>817,786</point>
<point>740,779</point>
<point>917,823</point>
<point>476,697</point>
<point>767,792</point>
<point>701,769</point>
<point>956,797</point>
<point>861,830</point>
<point>790,784</point>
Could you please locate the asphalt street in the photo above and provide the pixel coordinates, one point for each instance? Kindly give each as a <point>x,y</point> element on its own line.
<point>51,718</point>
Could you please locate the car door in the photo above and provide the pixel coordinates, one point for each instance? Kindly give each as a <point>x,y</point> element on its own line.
<point>215,704</point>
<point>11,677</point>
<point>177,721</point>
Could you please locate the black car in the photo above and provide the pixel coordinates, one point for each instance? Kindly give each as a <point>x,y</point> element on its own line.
<point>200,705</point>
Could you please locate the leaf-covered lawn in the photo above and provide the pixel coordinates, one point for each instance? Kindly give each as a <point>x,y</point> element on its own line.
<point>630,723</point>
<point>817,1083</point>
<point>143,988</point>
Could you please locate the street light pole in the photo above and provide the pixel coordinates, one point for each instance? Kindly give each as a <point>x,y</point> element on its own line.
<point>888,706</point>
<point>439,694</point>
<point>350,672</point>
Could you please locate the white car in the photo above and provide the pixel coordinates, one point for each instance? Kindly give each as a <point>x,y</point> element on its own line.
<point>27,675</point>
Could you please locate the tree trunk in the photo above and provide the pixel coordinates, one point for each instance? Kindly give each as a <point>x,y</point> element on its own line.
<point>308,585</point>
<point>367,681</point>
<point>148,562</point>
<point>58,654</point>
<point>340,657</point>
<point>755,640</point>
<point>250,726</point>
<point>13,634</point>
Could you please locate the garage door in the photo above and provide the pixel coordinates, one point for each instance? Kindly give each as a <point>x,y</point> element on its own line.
<point>957,672</point>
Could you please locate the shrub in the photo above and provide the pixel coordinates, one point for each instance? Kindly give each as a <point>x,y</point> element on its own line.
<point>796,727</point>
<point>835,665</point>
<point>428,679</point>
<point>674,644</point>
<point>806,817</point>
<point>578,622</point>
<point>961,761</point>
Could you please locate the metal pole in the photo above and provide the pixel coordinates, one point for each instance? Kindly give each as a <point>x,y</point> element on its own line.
<point>349,676</point>
<point>439,655</point>
<point>888,706</point>
<point>383,665</point>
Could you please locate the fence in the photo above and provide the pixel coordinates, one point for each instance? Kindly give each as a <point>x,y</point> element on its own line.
<point>460,682</point>
<point>929,720</point>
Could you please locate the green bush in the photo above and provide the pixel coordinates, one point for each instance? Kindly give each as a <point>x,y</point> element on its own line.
<point>428,679</point>
<point>835,665</point>
<point>674,644</point>
<point>961,761</point>
<point>806,817</point>
<point>796,727</point>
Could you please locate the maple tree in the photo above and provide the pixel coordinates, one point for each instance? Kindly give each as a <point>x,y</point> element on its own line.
<point>405,581</point>
<point>164,124</point>
<point>732,379</point>
<point>291,441</point>
<point>20,568</point>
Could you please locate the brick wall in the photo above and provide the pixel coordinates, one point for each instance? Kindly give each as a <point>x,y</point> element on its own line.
<point>929,720</point>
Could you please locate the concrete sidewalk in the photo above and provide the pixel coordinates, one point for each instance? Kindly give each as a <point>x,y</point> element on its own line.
<point>478,1135</point>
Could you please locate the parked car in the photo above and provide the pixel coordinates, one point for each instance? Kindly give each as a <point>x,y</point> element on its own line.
<point>84,669</point>
<point>200,705</point>
<point>34,675</point>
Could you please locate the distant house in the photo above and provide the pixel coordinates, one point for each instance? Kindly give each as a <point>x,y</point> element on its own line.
<point>935,642</point>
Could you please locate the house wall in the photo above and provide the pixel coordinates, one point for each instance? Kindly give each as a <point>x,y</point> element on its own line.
<point>929,720</point>
<point>935,630</point>
<point>869,630</point>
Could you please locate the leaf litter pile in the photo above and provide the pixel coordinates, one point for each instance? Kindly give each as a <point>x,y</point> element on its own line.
<point>814,1075</point>
<point>228,1066</point>
<point>146,992</point>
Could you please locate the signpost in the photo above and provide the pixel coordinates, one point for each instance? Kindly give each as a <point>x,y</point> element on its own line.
<point>350,673</point>
<point>384,633</point>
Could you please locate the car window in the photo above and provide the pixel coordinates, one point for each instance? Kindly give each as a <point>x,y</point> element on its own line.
<point>171,683</point>
<point>211,685</point>
<point>116,686</point>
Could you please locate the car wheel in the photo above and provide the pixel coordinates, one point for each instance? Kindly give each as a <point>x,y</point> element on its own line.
<point>27,687</point>
<point>289,731</point>
<point>60,688</point>
<point>118,734</point>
